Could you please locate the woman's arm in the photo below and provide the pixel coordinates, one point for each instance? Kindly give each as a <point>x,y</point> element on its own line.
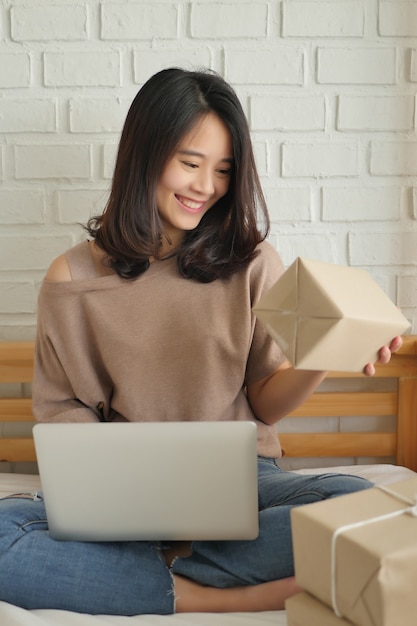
<point>53,396</point>
<point>278,394</point>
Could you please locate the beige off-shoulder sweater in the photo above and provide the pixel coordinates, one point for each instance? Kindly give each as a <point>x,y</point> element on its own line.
<point>157,348</point>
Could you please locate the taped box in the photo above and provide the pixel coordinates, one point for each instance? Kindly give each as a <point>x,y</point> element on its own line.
<point>358,554</point>
<point>304,610</point>
<point>329,317</point>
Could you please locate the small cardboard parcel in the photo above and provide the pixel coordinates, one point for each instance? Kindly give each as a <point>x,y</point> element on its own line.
<point>329,317</point>
<point>357,554</point>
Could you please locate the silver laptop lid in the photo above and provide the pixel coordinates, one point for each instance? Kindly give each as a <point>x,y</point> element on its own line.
<point>149,481</point>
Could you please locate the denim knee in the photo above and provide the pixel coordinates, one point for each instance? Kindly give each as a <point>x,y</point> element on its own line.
<point>278,487</point>
<point>37,572</point>
<point>244,562</point>
<point>22,512</point>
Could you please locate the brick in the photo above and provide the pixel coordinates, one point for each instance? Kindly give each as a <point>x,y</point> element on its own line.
<point>22,206</point>
<point>96,69</point>
<point>323,19</point>
<point>72,161</point>
<point>17,117</point>
<point>218,20</point>
<point>313,245</point>
<point>366,66</point>
<point>17,297</point>
<point>395,113</point>
<point>14,70</point>
<point>287,205</point>
<point>139,21</point>
<point>48,23</point>
<point>407,291</point>
<point>270,66</point>
<point>393,158</point>
<point>287,112</point>
<point>109,159</point>
<point>148,62</point>
<point>77,206</point>
<point>92,115</point>
<point>398,19</point>
<point>23,252</point>
<point>413,69</point>
<point>357,204</point>
<point>319,159</point>
<point>394,248</point>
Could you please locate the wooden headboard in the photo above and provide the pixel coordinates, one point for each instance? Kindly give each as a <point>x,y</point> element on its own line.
<point>399,400</point>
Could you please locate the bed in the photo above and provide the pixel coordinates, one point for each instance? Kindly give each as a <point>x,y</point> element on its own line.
<point>390,453</point>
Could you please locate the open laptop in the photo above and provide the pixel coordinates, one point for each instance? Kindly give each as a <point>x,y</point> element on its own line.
<point>149,481</point>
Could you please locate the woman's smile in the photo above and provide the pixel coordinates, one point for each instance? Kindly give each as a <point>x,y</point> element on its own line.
<point>190,205</point>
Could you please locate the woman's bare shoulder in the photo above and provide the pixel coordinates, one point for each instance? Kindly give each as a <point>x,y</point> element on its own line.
<point>59,271</point>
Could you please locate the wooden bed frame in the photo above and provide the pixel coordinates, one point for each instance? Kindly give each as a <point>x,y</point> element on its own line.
<point>16,371</point>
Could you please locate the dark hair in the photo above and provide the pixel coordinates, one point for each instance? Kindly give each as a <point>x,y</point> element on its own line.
<point>165,109</point>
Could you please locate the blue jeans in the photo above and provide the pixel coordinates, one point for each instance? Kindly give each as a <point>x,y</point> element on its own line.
<point>132,578</point>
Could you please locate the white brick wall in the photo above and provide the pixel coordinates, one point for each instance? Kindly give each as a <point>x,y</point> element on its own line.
<point>356,65</point>
<point>51,22</point>
<point>139,20</point>
<point>329,87</point>
<point>63,70</point>
<point>324,19</point>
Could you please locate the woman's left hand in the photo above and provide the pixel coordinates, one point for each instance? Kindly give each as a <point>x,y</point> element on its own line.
<point>384,355</point>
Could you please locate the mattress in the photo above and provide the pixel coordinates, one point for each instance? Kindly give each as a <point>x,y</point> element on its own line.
<point>14,616</point>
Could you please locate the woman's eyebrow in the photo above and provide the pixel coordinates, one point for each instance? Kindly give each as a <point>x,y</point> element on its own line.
<point>203,156</point>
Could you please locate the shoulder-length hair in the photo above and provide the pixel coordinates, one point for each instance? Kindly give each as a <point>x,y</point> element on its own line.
<point>165,109</point>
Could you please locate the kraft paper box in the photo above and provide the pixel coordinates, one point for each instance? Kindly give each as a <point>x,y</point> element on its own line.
<point>329,317</point>
<point>304,610</point>
<point>358,554</point>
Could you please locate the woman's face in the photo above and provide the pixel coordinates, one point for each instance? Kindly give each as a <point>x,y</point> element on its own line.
<point>195,178</point>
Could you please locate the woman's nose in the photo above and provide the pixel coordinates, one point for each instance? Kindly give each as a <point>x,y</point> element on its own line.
<point>204,183</point>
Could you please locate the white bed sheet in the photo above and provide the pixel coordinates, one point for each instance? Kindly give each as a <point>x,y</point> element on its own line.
<point>14,616</point>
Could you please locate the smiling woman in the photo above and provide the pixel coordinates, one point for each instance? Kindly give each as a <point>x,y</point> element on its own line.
<point>152,320</point>
<point>194,179</point>
<point>191,127</point>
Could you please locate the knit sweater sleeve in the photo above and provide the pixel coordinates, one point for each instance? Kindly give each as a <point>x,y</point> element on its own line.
<point>53,396</point>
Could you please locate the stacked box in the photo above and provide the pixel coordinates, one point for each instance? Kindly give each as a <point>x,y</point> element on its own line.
<point>357,554</point>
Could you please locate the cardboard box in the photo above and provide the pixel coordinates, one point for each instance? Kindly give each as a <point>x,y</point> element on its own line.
<point>304,610</point>
<point>329,317</point>
<point>366,573</point>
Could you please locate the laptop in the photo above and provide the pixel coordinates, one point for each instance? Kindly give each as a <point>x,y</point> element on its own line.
<point>175,481</point>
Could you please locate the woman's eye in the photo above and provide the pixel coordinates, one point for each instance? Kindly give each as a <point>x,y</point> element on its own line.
<point>188,164</point>
<point>226,172</point>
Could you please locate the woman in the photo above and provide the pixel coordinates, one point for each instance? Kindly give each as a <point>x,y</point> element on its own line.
<point>153,317</point>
